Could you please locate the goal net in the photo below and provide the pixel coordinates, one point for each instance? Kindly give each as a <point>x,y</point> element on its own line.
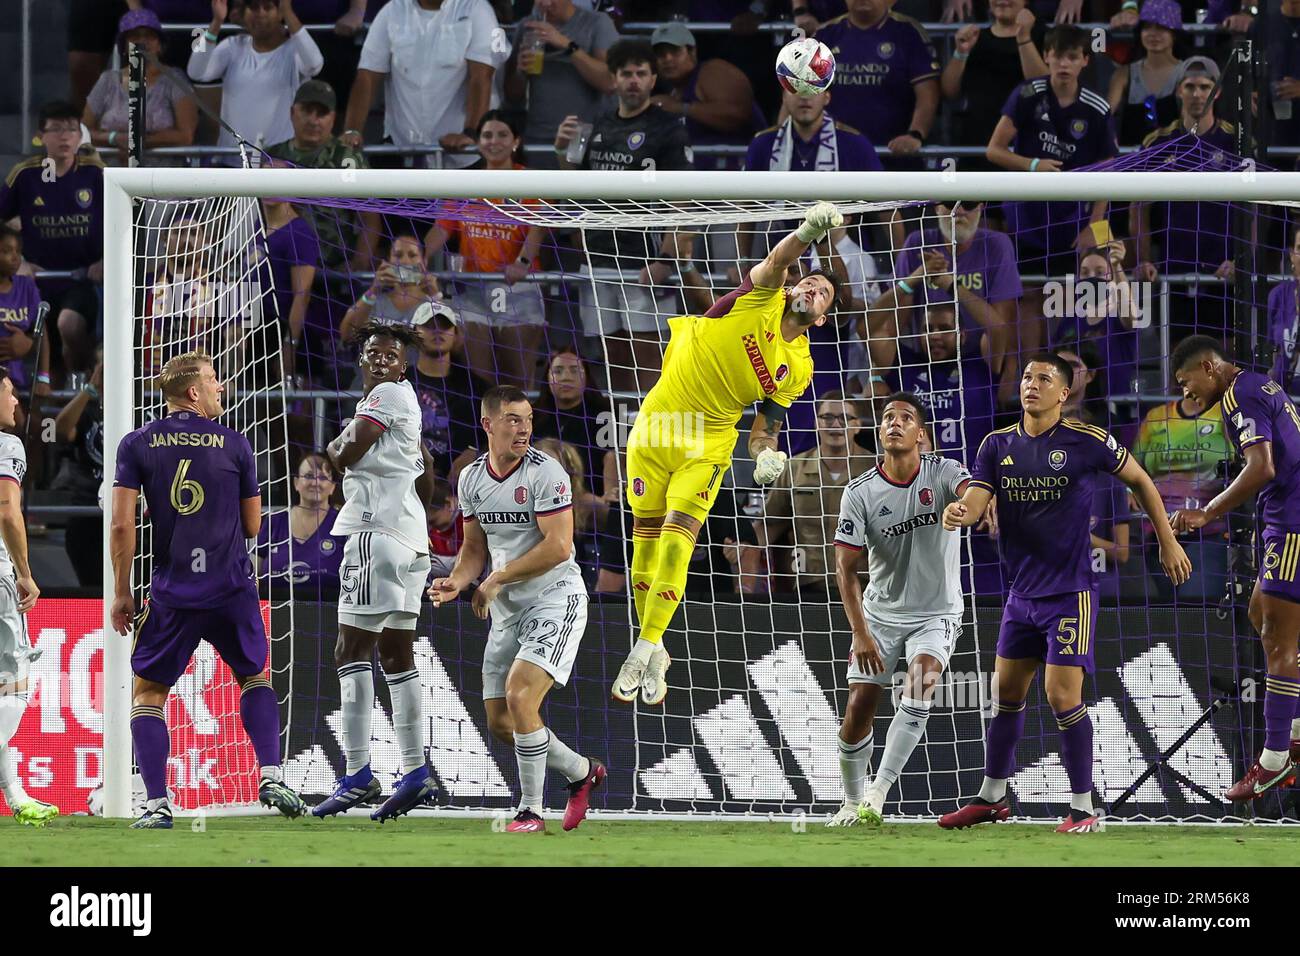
<point>568,295</point>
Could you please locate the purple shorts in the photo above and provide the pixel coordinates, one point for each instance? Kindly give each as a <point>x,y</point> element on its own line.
<point>1058,629</point>
<point>1277,554</point>
<point>166,638</point>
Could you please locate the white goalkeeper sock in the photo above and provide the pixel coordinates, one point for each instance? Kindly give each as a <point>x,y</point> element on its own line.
<point>564,760</point>
<point>404,689</point>
<point>357,688</point>
<point>855,766</point>
<point>905,732</point>
<point>530,751</point>
<point>993,790</point>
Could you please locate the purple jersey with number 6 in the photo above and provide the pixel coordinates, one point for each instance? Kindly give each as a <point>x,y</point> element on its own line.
<point>194,473</point>
<point>1255,409</point>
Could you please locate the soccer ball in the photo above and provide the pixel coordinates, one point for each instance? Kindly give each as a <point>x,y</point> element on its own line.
<point>805,67</point>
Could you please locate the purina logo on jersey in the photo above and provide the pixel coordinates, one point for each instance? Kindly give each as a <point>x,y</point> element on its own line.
<point>638,487</point>
<point>521,495</point>
<point>1078,128</point>
<point>927,497</point>
<point>1056,460</point>
<point>636,140</point>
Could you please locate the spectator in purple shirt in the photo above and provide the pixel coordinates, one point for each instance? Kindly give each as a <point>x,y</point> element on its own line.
<point>19,302</point>
<point>316,553</point>
<point>886,75</point>
<point>292,255</point>
<point>1284,322</point>
<point>1103,311</point>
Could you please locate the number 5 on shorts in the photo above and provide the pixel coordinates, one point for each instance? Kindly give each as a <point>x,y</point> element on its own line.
<point>1067,633</point>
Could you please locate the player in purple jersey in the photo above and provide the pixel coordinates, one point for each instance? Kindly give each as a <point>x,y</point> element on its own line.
<point>1045,470</point>
<point>200,482</point>
<point>1265,428</point>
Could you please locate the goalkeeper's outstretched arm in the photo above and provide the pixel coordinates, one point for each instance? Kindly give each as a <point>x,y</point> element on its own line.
<point>769,462</point>
<point>818,220</point>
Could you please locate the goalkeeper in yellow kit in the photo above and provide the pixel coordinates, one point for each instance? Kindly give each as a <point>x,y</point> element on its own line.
<point>751,346</point>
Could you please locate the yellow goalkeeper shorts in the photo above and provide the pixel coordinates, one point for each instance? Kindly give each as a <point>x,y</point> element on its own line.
<point>674,465</point>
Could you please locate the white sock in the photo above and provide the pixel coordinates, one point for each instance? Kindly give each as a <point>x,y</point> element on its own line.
<point>274,774</point>
<point>530,751</point>
<point>12,707</point>
<point>1273,759</point>
<point>855,765</point>
<point>357,688</point>
<point>10,785</point>
<point>564,760</point>
<point>905,732</point>
<point>642,650</point>
<point>1081,802</point>
<point>994,789</point>
<point>156,803</point>
<point>404,689</point>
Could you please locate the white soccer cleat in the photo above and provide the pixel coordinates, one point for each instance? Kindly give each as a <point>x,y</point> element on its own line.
<point>846,816</point>
<point>628,682</point>
<point>654,683</point>
<point>872,812</point>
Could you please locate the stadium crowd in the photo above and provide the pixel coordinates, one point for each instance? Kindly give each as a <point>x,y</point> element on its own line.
<point>942,300</point>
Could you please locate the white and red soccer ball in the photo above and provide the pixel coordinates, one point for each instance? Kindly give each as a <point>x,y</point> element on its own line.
<point>805,67</point>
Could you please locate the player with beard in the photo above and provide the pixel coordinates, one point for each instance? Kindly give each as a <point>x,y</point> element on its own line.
<point>751,346</point>
<point>387,479</point>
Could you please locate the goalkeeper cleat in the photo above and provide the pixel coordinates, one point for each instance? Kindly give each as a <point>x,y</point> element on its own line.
<point>412,790</point>
<point>1259,781</point>
<point>360,787</point>
<point>628,682</point>
<point>279,797</point>
<point>1077,822</point>
<point>845,816</point>
<point>159,818</point>
<point>580,794</point>
<point>976,812</point>
<point>654,683</point>
<point>526,821</point>
<point>34,813</point>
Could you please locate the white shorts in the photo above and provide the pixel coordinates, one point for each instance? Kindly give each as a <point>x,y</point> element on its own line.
<point>610,305</point>
<point>547,634</point>
<point>16,652</point>
<point>381,582</point>
<point>501,306</point>
<point>935,637</point>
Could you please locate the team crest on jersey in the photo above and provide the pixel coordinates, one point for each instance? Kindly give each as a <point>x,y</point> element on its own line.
<point>886,50</point>
<point>1206,429</point>
<point>1078,128</point>
<point>636,140</point>
<point>327,545</point>
<point>782,371</point>
<point>84,198</point>
<point>521,495</point>
<point>927,497</point>
<point>1056,460</point>
<point>638,487</point>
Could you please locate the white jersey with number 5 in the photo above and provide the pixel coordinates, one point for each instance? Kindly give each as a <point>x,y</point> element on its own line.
<point>379,489</point>
<point>913,564</point>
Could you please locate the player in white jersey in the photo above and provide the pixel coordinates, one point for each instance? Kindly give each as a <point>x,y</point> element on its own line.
<point>18,594</point>
<point>913,602</point>
<point>518,509</point>
<point>387,479</point>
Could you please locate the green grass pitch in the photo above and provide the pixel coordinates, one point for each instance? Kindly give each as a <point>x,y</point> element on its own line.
<point>266,841</point>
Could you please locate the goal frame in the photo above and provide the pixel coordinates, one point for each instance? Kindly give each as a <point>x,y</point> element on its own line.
<point>124,185</point>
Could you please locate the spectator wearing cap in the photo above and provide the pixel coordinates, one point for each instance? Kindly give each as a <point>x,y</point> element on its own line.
<point>886,75</point>
<point>437,62</point>
<point>503,320</point>
<point>1284,322</point>
<point>259,70</point>
<point>447,391</point>
<point>62,224</point>
<point>713,96</point>
<point>987,64</point>
<point>1142,95</point>
<point>171,112</point>
<point>558,68</point>
<point>1192,237</point>
<point>291,257</point>
<point>402,283</point>
<point>93,29</point>
<point>572,409</point>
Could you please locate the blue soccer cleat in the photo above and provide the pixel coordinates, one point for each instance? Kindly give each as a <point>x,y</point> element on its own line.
<point>412,790</point>
<point>159,818</point>
<point>360,787</point>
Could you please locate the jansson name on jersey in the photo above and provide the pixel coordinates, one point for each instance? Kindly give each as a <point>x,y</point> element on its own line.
<point>205,439</point>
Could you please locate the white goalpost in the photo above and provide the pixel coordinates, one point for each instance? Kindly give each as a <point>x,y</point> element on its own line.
<point>142,206</point>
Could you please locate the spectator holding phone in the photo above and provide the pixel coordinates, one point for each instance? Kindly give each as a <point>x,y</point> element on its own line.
<point>401,285</point>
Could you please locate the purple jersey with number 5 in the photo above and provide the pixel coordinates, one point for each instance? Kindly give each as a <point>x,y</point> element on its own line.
<point>1255,409</point>
<point>194,473</point>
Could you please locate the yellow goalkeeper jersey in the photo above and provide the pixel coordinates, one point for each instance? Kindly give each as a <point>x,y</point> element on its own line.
<point>720,363</point>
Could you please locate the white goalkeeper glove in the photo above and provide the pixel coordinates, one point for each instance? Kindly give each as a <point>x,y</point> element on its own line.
<point>818,220</point>
<point>768,466</point>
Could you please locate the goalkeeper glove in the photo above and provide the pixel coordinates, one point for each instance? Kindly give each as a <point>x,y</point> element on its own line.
<point>768,466</point>
<point>818,220</point>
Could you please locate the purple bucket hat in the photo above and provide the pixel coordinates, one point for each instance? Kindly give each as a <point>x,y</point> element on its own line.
<point>1163,13</point>
<point>135,19</point>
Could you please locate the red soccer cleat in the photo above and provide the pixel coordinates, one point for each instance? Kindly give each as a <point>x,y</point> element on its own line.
<point>974,813</point>
<point>1259,781</point>
<point>526,821</point>
<point>1090,824</point>
<point>580,794</point>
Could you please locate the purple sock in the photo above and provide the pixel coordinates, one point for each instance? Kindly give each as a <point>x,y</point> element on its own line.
<point>1076,747</point>
<point>149,734</point>
<point>260,713</point>
<point>1005,730</point>
<point>1280,699</point>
